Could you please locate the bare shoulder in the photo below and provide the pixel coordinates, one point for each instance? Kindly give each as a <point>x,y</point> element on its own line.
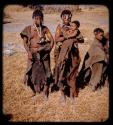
<point>26,32</point>
<point>59,26</point>
<point>45,28</point>
<point>27,27</point>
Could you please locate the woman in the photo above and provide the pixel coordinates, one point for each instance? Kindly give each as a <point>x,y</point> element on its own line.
<point>38,43</point>
<point>67,64</point>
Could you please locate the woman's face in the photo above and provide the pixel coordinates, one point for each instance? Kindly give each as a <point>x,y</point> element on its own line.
<point>37,20</point>
<point>66,18</point>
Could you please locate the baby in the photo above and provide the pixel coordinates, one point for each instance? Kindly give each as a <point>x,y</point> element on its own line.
<point>73,31</point>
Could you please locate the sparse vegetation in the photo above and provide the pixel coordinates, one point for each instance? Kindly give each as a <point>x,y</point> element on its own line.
<point>89,106</point>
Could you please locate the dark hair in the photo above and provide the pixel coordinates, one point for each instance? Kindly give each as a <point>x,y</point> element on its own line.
<point>98,30</point>
<point>37,12</point>
<point>76,22</point>
<point>66,12</point>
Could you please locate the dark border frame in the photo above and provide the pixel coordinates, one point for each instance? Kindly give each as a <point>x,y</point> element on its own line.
<point>5,118</point>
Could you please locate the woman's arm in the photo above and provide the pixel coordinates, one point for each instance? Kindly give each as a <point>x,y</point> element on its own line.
<point>25,40</point>
<point>49,37</point>
<point>58,37</point>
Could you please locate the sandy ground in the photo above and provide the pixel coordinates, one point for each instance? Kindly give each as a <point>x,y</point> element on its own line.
<point>88,107</point>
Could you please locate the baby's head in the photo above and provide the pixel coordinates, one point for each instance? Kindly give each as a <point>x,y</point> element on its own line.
<point>75,25</point>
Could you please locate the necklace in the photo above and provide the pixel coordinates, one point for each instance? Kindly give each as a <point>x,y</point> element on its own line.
<point>38,30</point>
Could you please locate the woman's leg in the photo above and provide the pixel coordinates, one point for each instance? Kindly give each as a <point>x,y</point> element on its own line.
<point>46,92</point>
<point>63,96</point>
<point>72,77</point>
<point>48,77</point>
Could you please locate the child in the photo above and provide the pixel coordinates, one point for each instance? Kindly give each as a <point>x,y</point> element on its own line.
<point>34,36</point>
<point>73,31</point>
<point>94,63</point>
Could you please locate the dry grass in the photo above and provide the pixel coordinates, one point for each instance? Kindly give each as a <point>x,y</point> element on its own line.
<point>10,37</point>
<point>17,99</point>
<point>15,8</point>
<point>88,107</point>
<point>11,11</point>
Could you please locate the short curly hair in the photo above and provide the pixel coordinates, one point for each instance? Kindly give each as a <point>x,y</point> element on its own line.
<point>66,12</point>
<point>37,12</point>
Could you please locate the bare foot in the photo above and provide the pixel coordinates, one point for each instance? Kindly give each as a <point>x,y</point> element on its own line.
<point>34,97</point>
<point>33,94</point>
<point>72,100</point>
<point>46,97</point>
<point>62,99</point>
<point>76,94</point>
<point>93,88</point>
<point>37,94</point>
<point>46,92</point>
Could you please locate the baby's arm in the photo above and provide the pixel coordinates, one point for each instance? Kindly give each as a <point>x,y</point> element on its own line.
<point>71,33</point>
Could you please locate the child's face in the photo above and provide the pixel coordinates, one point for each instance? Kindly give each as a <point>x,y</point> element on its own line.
<point>37,20</point>
<point>73,26</point>
<point>99,36</point>
<point>66,19</point>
